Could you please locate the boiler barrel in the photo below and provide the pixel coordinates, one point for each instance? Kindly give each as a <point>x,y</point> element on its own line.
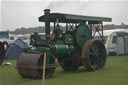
<point>63,49</point>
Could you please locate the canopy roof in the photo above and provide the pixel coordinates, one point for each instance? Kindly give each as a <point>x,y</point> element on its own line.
<point>70,18</point>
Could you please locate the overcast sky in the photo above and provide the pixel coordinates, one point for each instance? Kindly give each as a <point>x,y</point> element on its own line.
<point>16,14</point>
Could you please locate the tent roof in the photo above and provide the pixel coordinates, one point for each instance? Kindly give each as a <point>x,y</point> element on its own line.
<point>122,33</point>
<point>109,32</point>
<point>21,43</point>
<point>15,49</point>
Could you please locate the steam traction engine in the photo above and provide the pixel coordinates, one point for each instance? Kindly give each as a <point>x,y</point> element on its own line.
<point>73,46</point>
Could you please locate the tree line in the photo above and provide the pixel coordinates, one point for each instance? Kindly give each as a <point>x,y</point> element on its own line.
<point>41,29</point>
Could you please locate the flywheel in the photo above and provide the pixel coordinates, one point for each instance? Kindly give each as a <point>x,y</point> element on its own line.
<point>82,35</point>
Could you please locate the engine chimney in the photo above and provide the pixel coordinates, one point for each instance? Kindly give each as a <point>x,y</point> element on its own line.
<point>47,23</point>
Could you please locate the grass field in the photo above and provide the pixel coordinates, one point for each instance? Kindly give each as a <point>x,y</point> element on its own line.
<point>114,73</point>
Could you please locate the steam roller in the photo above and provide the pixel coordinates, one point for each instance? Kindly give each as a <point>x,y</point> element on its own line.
<point>71,46</point>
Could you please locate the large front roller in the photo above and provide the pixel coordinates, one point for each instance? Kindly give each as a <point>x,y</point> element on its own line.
<point>2,53</point>
<point>94,54</point>
<point>29,65</point>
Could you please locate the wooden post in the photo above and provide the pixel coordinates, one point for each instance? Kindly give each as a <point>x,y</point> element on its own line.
<point>43,76</point>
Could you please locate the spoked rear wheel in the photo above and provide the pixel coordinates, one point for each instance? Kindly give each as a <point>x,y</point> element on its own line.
<point>94,54</point>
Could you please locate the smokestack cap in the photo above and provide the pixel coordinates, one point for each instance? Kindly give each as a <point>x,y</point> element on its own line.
<point>47,10</point>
